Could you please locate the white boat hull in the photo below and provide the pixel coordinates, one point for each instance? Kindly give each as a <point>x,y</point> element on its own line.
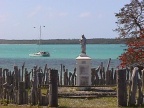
<point>40,54</point>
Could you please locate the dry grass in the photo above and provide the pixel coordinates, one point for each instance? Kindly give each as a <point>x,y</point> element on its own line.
<point>104,102</point>
<point>101,102</point>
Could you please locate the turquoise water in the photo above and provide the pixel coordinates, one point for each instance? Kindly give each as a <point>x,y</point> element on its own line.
<point>17,54</point>
<point>95,51</point>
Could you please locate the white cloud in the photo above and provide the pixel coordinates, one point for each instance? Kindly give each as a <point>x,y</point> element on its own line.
<point>16,24</point>
<point>85,15</point>
<point>3,18</point>
<point>62,14</point>
<point>35,11</point>
<point>56,14</point>
<point>99,15</point>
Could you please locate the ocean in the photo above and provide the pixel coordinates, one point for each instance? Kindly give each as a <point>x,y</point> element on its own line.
<point>66,54</point>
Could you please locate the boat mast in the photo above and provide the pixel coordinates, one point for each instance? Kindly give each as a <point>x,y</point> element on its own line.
<point>40,36</point>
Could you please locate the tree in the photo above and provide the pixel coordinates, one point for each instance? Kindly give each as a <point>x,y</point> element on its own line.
<point>130,25</point>
<point>134,54</point>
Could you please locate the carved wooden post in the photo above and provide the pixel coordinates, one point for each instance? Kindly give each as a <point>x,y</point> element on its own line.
<point>4,75</point>
<point>134,80</point>
<point>92,76</point>
<point>23,70</point>
<point>101,74</point>
<point>27,80</point>
<point>143,80</point>
<point>121,87</point>
<point>39,96</point>
<point>115,77</point>
<point>127,74</point>
<point>44,74</point>
<point>66,77</point>
<point>34,96</point>
<point>97,78</point>
<point>44,101</point>
<point>40,77</point>
<point>69,78</point>
<point>73,77</point>
<point>64,70</point>
<point>5,91</point>
<point>140,94</point>
<point>111,76</point>
<point>108,77</point>
<point>104,76</point>
<point>108,64</point>
<point>22,94</point>
<point>1,83</point>
<point>58,80</point>
<point>17,77</point>
<point>8,77</point>
<point>61,75</point>
<point>101,69</point>
<point>47,77</point>
<point>53,88</point>
<point>32,73</point>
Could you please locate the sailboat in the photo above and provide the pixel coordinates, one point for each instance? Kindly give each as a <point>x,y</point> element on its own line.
<point>40,53</point>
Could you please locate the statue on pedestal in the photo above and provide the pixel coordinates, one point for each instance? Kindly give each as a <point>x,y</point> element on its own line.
<point>83,44</point>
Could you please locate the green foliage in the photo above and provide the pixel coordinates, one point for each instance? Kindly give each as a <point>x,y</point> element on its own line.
<point>4,102</point>
<point>130,19</point>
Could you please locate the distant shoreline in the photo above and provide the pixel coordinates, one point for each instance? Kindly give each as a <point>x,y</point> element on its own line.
<point>64,41</point>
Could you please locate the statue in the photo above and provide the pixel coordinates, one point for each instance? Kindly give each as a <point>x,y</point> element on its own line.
<point>83,44</point>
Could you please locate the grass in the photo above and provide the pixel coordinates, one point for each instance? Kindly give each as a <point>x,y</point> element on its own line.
<point>103,102</point>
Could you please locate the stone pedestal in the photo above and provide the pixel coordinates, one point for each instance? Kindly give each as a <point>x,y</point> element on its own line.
<point>83,70</point>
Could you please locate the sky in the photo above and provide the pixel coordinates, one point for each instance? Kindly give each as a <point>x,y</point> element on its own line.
<point>59,19</point>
